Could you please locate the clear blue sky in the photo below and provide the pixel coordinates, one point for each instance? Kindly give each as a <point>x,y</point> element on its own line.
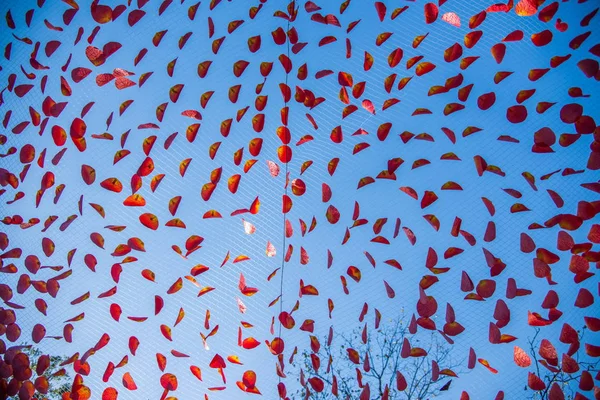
<point>382,199</point>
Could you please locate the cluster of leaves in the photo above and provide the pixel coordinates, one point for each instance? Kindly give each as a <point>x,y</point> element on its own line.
<point>58,380</point>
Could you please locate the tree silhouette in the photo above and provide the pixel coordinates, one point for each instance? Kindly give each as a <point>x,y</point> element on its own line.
<point>555,376</point>
<point>370,364</point>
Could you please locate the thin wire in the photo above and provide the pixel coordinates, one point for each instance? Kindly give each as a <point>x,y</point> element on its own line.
<point>293,2</point>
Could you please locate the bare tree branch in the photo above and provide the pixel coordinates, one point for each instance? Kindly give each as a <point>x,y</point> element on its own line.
<point>383,349</point>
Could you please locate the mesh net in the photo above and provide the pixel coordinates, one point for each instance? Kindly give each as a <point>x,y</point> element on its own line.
<point>304,200</point>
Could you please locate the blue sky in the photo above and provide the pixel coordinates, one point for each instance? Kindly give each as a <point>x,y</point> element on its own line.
<point>382,199</point>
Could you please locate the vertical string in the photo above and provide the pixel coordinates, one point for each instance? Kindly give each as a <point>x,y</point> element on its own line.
<point>293,2</point>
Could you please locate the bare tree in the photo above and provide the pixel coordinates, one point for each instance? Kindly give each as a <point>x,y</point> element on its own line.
<point>560,374</point>
<point>369,363</point>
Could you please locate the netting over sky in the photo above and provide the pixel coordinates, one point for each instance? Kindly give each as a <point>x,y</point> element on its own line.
<point>303,200</point>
